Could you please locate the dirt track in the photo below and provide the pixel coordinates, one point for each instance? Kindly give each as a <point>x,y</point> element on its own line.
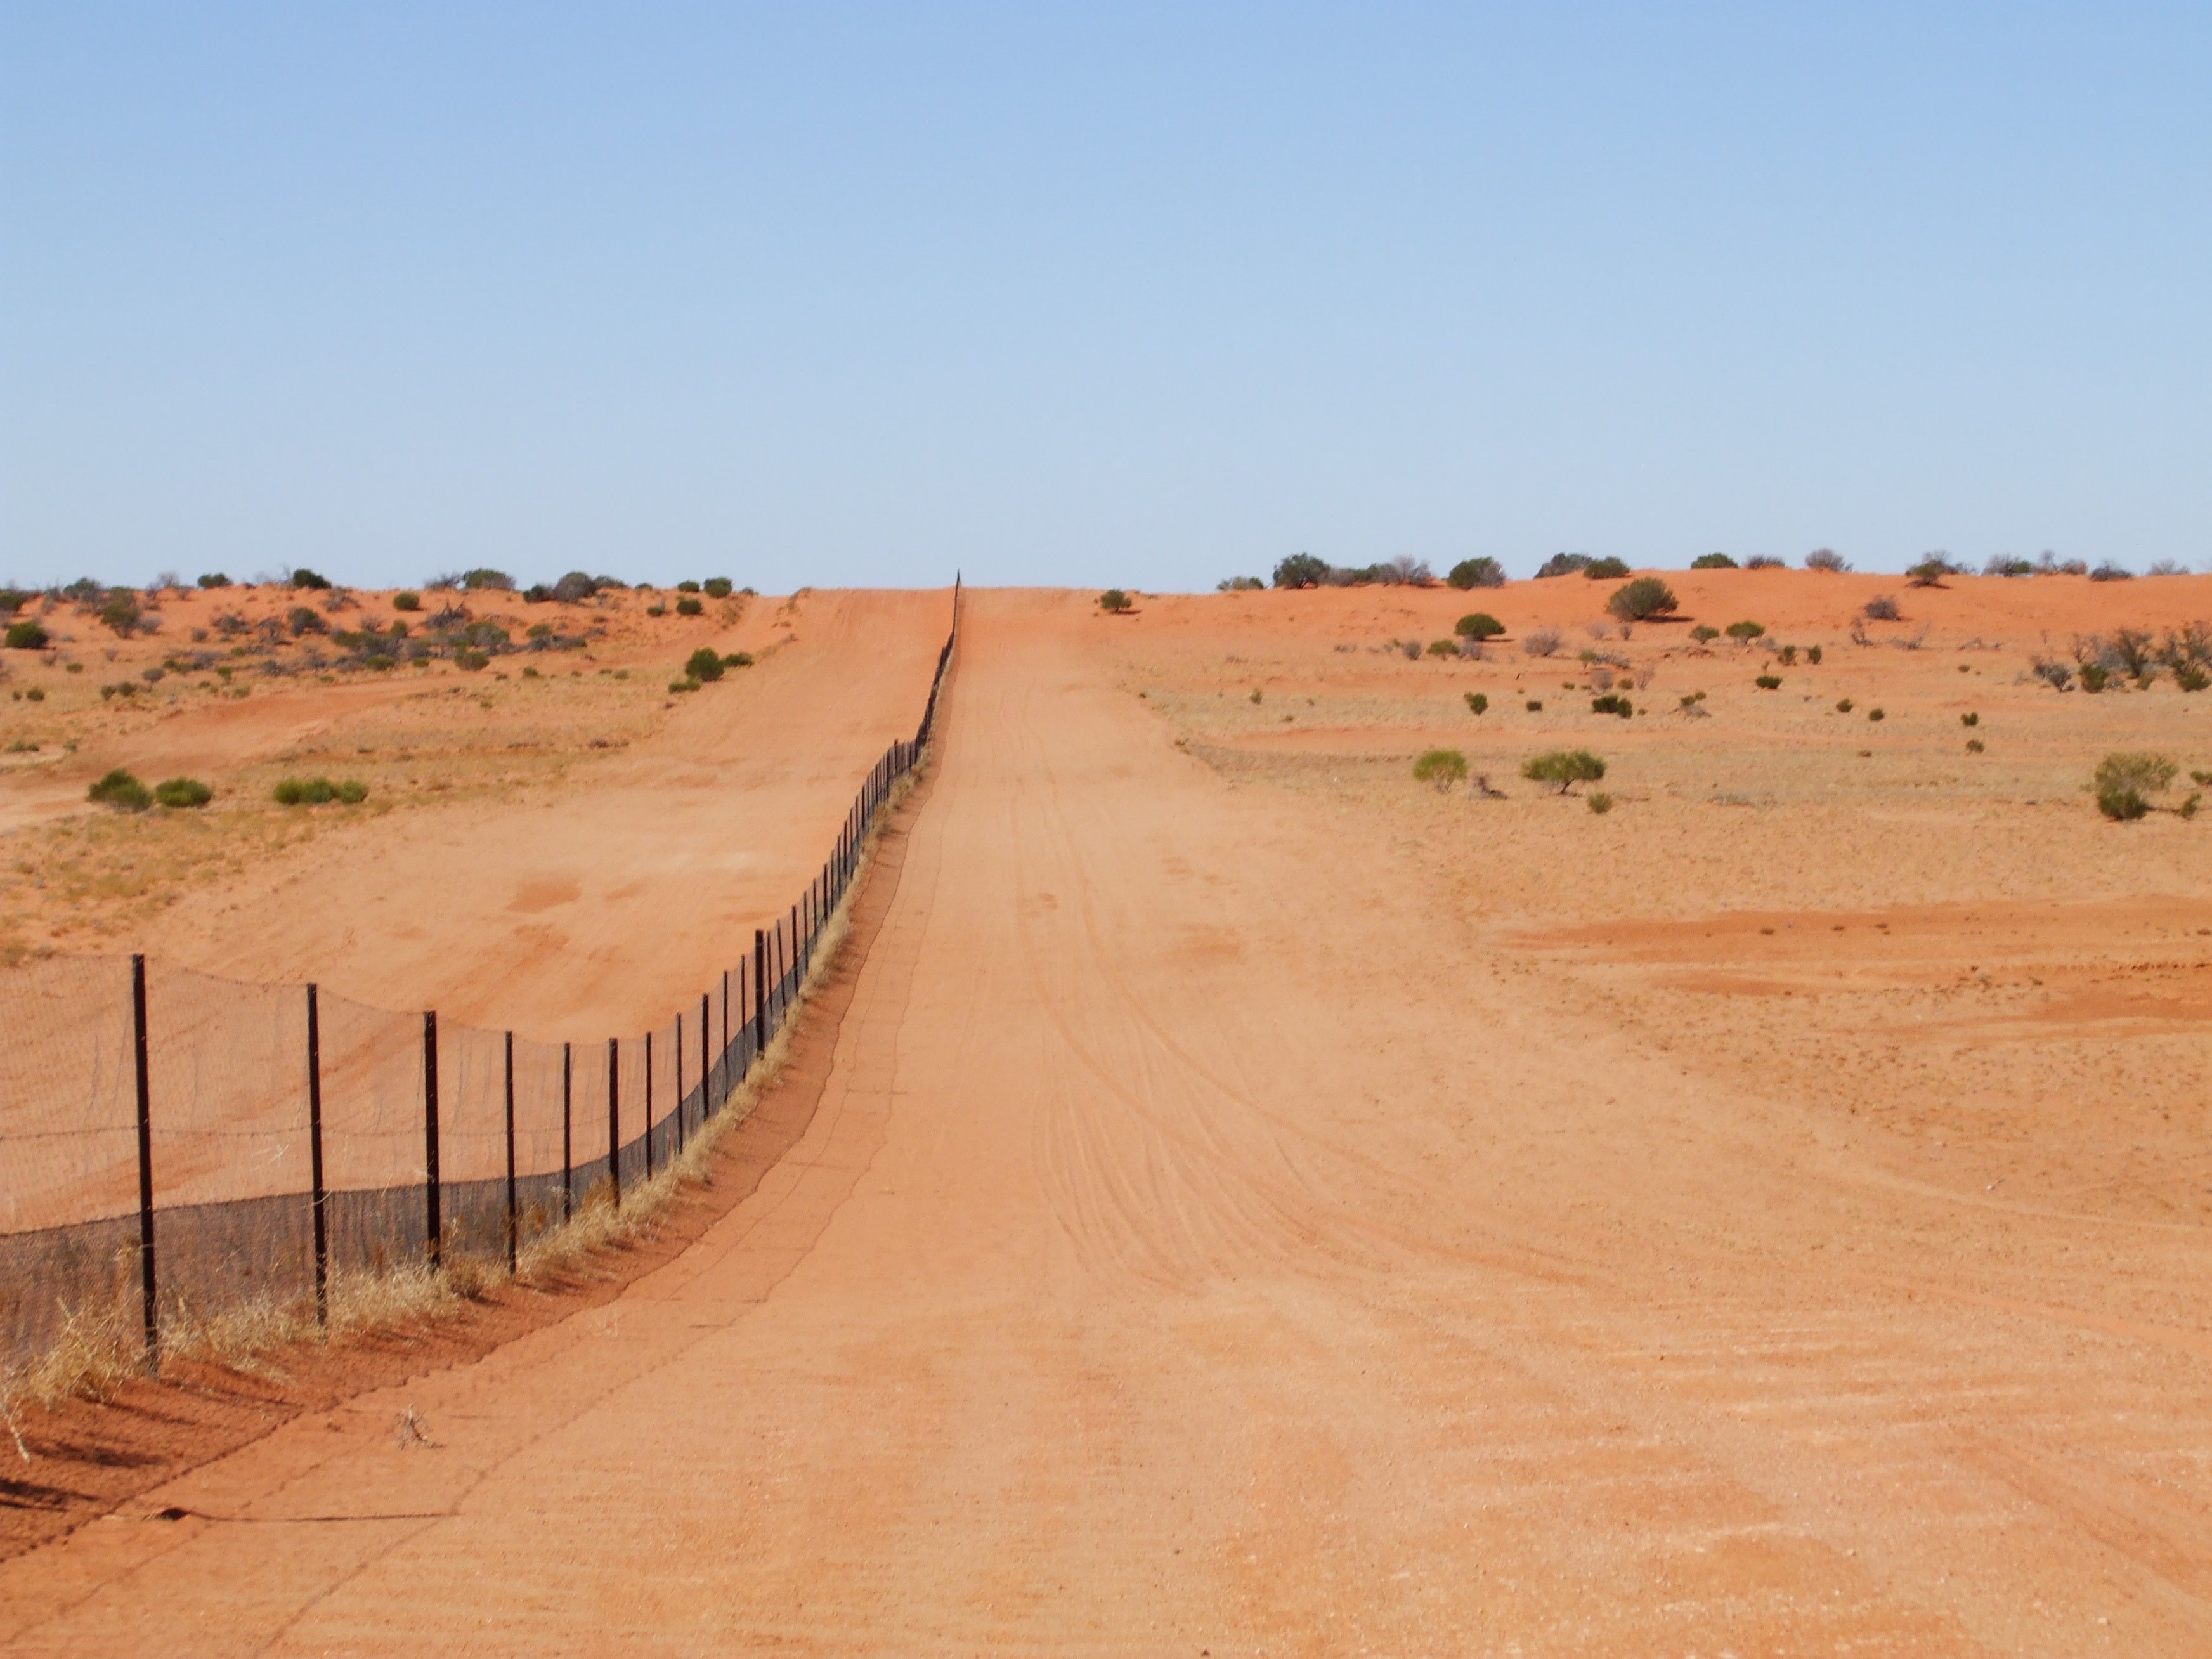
<point>1221,1233</point>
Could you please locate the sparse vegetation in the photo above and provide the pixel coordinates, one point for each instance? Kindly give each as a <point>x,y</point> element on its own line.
<point>1970,719</point>
<point>182,793</point>
<point>1705,634</point>
<point>320,792</point>
<point>406,599</point>
<point>2109,572</point>
<point>1931,570</point>
<point>1844,705</point>
<point>1974,745</point>
<point>1444,647</point>
<point>1442,769</point>
<point>688,606</point>
<point>484,577</point>
<point>121,791</point>
<point>703,665</point>
<point>214,579</point>
<point>738,659</point>
<point>1541,641</point>
<point>1605,569</point>
<point>1564,767</point>
<point>2058,676</point>
<point>1642,599</point>
<point>1484,572</point>
<point>1712,562</point>
<point>1562,564</point>
<point>1477,625</point>
<point>1877,714</point>
<point>1600,802</point>
<point>1114,602</point>
<point>1611,703</point>
<point>1882,607</point>
<point>1768,682</point>
<point>304,577</point>
<point>2124,783</point>
<point>1239,585</point>
<point>1536,705</point>
<point>1827,559</point>
<point>26,636</point>
<point>1477,703</point>
<point>1766,562</point>
<point>1812,655</point>
<point>2095,677</point>
<point>1743,633</point>
<point>716,588</point>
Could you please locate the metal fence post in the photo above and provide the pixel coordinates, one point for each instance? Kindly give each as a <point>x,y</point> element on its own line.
<point>513,1215</point>
<point>706,1066</point>
<point>614,1119</point>
<point>648,1105</point>
<point>318,1207</point>
<point>760,992</point>
<point>147,1288</point>
<point>679,1086</point>
<point>568,1137</point>
<point>434,1222</point>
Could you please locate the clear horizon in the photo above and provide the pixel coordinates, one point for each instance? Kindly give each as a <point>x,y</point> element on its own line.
<point>1145,296</point>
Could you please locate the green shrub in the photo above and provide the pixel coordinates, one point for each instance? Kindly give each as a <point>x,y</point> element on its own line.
<point>1441,768</point>
<point>2190,677</point>
<point>119,790</point>
<point>689,607</point>
<point>483,576</point>
<point>1484,572</point>
<point>1600,802</point>
<point>471,662</point>
<point>26,636</point>
<point>1239,585</point>
<point>1605,569</point>
<point>1565,767</point>
<point>1712,562</point>
<point>1612,704</point>
<point>304,577</point>
<point>183,792</point>
<point>1444,647</point>
<point>121,614</point>
<point>1702,634</point>
<point>2125,781</point>
<point>1768,682</point>
<point>1536,705</point>
<point>1876,714</point>
<point>1477,703</point>
<point>1812,655</point>
<point>717,587</point>
<point>686,586</point>
<point>404,600</point>
<point>1114,602</point>
<point>738,659</point>
<point>1642,599</point>
<point>682,685</point>
<point>704,664</point>
<point>1974,745</point>
<point>2204,778</point>
<point>1970,720</point>
<point>1843,705</point>
<point>214,579</point>
<point>35,695</point>
<point>1787,656</point>
<point>2095,677</point>
<point>1477,625</point>
<point>1744,632</point>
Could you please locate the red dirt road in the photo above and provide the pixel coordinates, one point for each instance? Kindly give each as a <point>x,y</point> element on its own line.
<point>1208,1242</point>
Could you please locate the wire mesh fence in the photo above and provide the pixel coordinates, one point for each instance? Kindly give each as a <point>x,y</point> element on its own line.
<point>174,1144</point>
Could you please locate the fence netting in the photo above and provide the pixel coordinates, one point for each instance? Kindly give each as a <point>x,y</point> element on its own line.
<point>224,1119</point>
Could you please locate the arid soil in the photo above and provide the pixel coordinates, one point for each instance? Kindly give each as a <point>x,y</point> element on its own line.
<point>1259,1204</point>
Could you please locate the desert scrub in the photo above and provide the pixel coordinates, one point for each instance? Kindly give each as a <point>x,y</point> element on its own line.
<point>1441,768</point>
<point>1444,647</point>
<point>1844,705</point>
<point>26,636</point>
<point>121,791</point>
<point>1743,633</point>
<point>1973,719</point>
<point>1600,802</point>
<point>738,659</point>
<point>1536,705</point>
<point>1705,634</point>
<point>182,793</point>
<point>1565,767</point>
<point>471,662</point>
<point>406,600</point>
<point>1114,602</point>
<point>1605,569</point>
<point>2095,677</point>
<point>703,665</point>
<point>1882,607</point>
<point>1768,682</point>
<point>1812,655</point>
<point>1541,641</point>
<point>1477,703</point>
<point>1477,625</point>
<point>1876,714</point>
<point>1712,562</point>
<point>2125,781</point>
<point>1612,704</point>
<point>1642,599</point>
<point>1974,745</point>
<point>717,587</point>
<point>320,792</point>
<point>688,606</point>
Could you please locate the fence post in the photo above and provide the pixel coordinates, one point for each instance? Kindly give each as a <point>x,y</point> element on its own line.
<point>679,1083</point>
<point>706,1066</point>
<point>760,992</point>
<point>614,1119</point>
<point>648,1105</point>
<point>568,1137</point>
<point>146,1304</point>
<point>316,1195</point>
<point>434,1235</point>
<point>513,1215</point>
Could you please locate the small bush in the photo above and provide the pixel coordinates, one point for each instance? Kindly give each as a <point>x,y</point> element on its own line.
<point>1931,570</point>
<point>405,599</point>
<point>1484,572</point>
<point>1562,564</point>
<point>304,620</point>
<point>1605,569</point>
<point>1302,571</point>
<point>1828,559</point>
<point>716,588</point>
<point>1477,703</point>
<point>2124,781</point>
<point>1974,745</point>
<point>1444,647</point>
<point>738,659</point>
<point>656,610</point>
<point>320,792</point>
<point>1876,714</point>
<point>1642,599</point>
<point>682,685</point>
<point>2190,678</point>
<point>1788,656</point>
<point>121,614</point>
<point>1970,720</point>
<point>687,586</point>
<point>704,664</point>
<point>1441,768</point>
<point>1612,704</point>
<point>26,636</point>
<point>2095,677</point>
<point>119,790</point>
<point>1600,802</point>
<point>304,577</point>
<point>1881,607</point>
<point>1239,585</point>
<point>183,792</point>
<point>1843,705</point>
<point>1541,641</point>
<point>1536,705</point>
<point>1114,602</point>
<point>1766,562</point>
<point>214,579</point>
<point>36,694</point>
<point>1565,767</point>
<point>2055,674</point>
<point>1744,632</point>
<point>1712,562</point>
<point>471,662</point>
<point>483,576</point>
<point>689,607</point>
<point>1702,634</point>
<point>1812,655</point>
<point>2109,572</point>
<point>1768,682</point>
<point>1477,625</point>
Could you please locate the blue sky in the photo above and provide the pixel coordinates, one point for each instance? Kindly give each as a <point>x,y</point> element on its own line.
<point>1147,295</point>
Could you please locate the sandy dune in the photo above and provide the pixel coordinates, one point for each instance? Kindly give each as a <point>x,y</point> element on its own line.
<point>1259,1206</point>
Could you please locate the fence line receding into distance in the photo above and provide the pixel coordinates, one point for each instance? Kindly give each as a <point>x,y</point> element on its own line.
<point>192,1144</point>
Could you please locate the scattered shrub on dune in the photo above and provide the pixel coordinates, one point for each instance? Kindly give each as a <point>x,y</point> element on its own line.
<point>738,659</point>
<point>1536,705</point>
<point>1876,714</point>
<point>471,662</point>
<point>1605,569</point>
<point>1702,634</point>
<point>1440,768</point>
<point>1562,564</point>
<point>1114,602</point>
<point>1642,599</point>
<point>1931,570</point>
<point>1712,562</point>
<point>1768,682</point>
<point>320,792</point>
<point>1541,641</point>
<point>687,586</point>
<point>1565,767</point>
<point>1970,720</point>
<point>1477,625</point>
<point>182,793</point>
<point>1828,559</point>
<point>1484,572</point>
<point>2095,677</point>
<point>717,587</point>
<point>213,579</point>
<point>1974,745</point>
<point>1812,655</point>
<point>704,664</point>
<point>1882,607</point>
<point>1600,802</point>
<point>26,636</point>
<point>1477,703</point>
<point>121,791</point>
<point>1239,585</point>
<point>2052,672</point>
<point>1743,633</point>
<point>2125,781</point>
<point>1766,562</point>
<point>484,577</point>
<point>406,599</point>
<point>1302,571</point>
<point>304,577</point>
<point>689,607</point>
<point>1612,704</point>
